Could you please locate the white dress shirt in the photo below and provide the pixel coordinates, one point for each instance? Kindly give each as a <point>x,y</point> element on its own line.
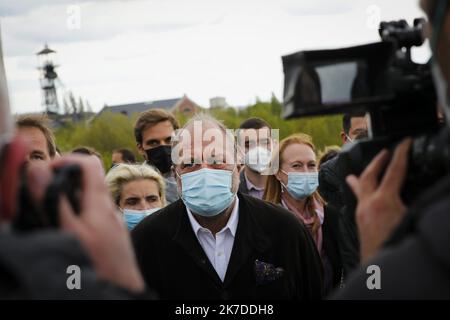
<point>253,190</point>
<point>218,248</point>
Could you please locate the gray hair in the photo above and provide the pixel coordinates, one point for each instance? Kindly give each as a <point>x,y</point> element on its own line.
<point>206,118</point>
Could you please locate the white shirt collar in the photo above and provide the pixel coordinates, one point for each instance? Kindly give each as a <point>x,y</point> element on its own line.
<point>250,185</point>
<point>231,224</point>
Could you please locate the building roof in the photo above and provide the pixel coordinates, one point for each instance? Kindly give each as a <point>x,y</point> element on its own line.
<point>46,50</point>
<point>142,106</point>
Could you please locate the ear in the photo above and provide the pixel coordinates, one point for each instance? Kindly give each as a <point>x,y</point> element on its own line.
<point>141,150</point>
<point>343,137</point>
<point>173,172</point>
<point>278,175</point>
<point>177,179</point>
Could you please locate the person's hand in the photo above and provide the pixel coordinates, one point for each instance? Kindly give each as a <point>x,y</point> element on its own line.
<point>98,228</point>
<point>380,207</point>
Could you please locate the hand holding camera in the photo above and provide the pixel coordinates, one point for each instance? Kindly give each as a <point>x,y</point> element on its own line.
<point>85,209</point>
<point>380,207</point>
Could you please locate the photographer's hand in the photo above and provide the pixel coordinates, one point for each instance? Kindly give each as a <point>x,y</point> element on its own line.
<point>380,207</point>
<point>98,227</point>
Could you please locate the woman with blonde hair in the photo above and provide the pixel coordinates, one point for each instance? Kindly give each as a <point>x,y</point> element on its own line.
<point>294,187</point>
<point>137,190</point>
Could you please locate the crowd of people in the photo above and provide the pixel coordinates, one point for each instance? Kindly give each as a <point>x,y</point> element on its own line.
<point>231,216</point>
<point>220,220</point>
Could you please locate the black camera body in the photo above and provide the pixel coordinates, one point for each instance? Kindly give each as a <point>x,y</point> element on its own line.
<point>379,78</point>
<point>66,183</point>
<point>31,216</point>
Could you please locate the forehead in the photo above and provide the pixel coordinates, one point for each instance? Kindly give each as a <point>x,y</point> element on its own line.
<point>117,155</point>
<point>140,187</point>
<point>358,123</point>
<point>298,152</point>
<point>160,129</point>
<point>205,137</point>
<point>252,134</point>
<point>33,136</point>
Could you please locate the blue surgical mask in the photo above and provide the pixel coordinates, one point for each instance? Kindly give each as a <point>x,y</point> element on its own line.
<point>133,217</point>
<point>207,192</point>
<point>301,184</point>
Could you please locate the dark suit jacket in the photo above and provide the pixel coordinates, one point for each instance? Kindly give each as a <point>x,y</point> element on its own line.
<point>331,240</point>
<point>174,264</point>
<point>242,183</point>
<point>415,262</point>
<point>331,188</point>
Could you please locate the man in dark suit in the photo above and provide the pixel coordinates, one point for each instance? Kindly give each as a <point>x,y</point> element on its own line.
<point>215,243</point>
<point>331,188</point>
<point>255,138</point>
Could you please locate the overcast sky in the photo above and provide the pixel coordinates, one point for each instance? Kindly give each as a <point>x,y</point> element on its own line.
<point>113,52</point>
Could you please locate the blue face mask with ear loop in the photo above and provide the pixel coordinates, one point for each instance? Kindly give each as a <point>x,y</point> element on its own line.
<point>301,184</point>
<point>207,192</point>
<point>134,217</point>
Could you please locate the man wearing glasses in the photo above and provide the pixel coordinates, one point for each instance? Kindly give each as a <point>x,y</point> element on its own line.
<point>215,243</point>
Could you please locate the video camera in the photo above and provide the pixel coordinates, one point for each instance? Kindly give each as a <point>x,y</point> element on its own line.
<point>379,78</point>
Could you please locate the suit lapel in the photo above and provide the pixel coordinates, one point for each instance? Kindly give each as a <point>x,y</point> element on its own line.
<point>243,183</point>
<point>250,240</point>
<point>187,239</point>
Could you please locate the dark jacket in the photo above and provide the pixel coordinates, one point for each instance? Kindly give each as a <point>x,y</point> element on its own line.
<point>415,262</point>
<point>330,184</point>
<point>331,187</point>
<point>268,237</point>
<point>331,242</point>
<point>330,255</point>
<point>170,183</point>
<point>34,266</point>
<point>243,183</point>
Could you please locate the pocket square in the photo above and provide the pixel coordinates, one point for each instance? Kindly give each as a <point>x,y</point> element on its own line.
<point>266,272</point>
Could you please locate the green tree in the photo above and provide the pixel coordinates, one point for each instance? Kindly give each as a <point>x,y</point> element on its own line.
<point>105,133</point>
<point>110,131</point>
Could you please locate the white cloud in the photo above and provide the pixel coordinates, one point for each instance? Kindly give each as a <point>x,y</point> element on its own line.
<point>317,7</point>
<point>15,7</point>
<point>131,51</point>
<point>97,21</point>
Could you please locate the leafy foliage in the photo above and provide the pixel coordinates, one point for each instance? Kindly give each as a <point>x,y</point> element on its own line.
<point>111,131</point>
<point>107,132</point>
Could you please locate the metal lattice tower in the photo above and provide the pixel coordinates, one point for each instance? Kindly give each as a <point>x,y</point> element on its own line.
<point>48,77</point>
